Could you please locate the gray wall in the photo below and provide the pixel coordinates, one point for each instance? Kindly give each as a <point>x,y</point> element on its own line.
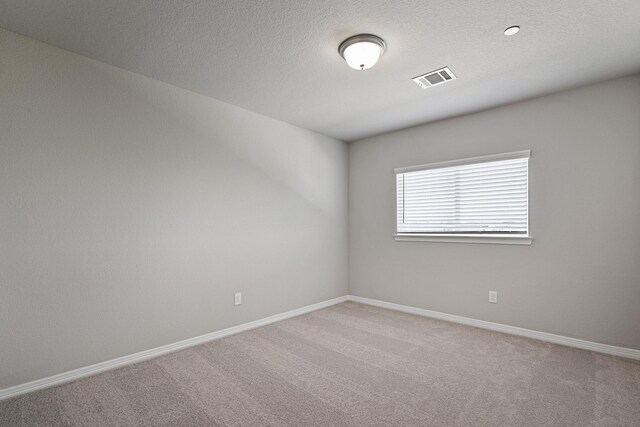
<point>131,211</point>
<point>581,275</point>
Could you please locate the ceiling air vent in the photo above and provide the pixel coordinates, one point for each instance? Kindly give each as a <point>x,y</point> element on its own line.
<point>434,78</point>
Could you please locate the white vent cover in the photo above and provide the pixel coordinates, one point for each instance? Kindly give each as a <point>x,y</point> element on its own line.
<point>434,78</point>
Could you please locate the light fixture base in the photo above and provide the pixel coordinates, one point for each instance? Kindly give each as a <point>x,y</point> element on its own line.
<point>512,30</point>
<point>362,38</point>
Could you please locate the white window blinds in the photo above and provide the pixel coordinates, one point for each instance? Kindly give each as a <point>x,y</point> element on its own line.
<point>481,196</point>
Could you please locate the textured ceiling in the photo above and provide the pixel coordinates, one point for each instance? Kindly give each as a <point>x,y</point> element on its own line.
<point>279,57</point>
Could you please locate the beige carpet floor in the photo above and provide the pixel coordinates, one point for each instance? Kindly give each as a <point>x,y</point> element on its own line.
<point>351,365</point>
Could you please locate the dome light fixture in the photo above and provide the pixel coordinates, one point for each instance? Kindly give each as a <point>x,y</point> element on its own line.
<point>362,51</point>
<point>512,30</point>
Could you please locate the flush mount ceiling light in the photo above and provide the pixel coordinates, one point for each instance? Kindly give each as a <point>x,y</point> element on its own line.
<point>362,51</point>
<point>511,30</point>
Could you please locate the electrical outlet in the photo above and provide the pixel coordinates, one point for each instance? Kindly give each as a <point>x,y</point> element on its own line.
<point>237,298</point>
<point>493,297</point>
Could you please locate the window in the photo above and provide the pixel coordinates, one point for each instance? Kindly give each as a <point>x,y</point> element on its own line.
<point>478,200</point>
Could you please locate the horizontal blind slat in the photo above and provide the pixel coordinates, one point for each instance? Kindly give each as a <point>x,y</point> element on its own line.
<point>470,193</point>
<point>476,175</point>
<point>471,225</point>
<point>470,228</point>
<point>470,205</point>
<point>497,199</point>
<point>472,168</point>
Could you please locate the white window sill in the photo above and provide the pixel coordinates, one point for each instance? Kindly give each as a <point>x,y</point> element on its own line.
<point>468,238</point>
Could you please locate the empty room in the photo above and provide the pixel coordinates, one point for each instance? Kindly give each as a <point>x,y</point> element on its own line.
<point>319,213</point>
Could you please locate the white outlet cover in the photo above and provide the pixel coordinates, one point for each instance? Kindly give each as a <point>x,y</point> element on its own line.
<point>237,298</point>
<point>493,297</point>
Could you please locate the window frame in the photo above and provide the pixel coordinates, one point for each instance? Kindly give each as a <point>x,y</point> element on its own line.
<point>490,238</point>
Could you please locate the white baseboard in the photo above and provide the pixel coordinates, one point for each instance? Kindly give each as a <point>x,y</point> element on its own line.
<point>513,330</point>
<point>158,351</point>
<point>154,352</point>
